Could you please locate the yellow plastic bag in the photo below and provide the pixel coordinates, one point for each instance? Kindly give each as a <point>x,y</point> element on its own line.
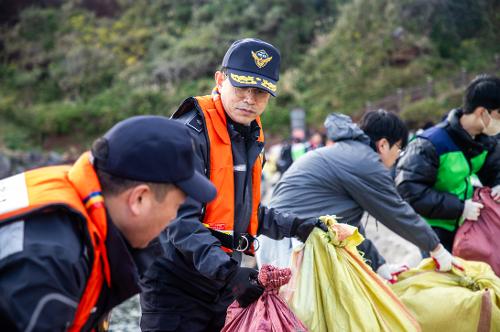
<point>452,301</point>
<point>332,289</point>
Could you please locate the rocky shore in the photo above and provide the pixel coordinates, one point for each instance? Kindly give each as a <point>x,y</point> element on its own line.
<point>13,162</point>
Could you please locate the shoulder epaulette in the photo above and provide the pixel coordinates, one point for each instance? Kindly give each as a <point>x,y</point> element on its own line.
<point>185,107</point>
<point>195,122</point>
<point>189,114</point>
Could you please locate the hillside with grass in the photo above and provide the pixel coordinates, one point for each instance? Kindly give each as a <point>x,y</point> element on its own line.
<point>70,69</point>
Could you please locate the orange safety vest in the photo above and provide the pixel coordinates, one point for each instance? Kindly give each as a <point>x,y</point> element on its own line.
<point>219,213</point>
<point>77,188</point>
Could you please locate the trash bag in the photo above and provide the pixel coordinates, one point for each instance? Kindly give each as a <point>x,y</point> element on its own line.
<point>269,312</point>
<point>452,301</point>
<point>477,240</point>
<point>333,289</point>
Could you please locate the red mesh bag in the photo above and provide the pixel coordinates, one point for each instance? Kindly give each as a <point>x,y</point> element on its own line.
<point>269,312</point>
<point>478,240</point>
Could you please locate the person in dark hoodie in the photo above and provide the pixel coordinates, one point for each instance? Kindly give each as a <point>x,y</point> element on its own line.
<point>438,170</point>
<point>352,176</point>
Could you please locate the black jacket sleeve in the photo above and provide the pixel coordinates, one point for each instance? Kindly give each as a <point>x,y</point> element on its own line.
<point>275,225</point>
<point>489,174</point>
<point>416,175</point>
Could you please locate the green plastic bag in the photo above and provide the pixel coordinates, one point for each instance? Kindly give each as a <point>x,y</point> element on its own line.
<point>456,301</point>
<point>332,289</point>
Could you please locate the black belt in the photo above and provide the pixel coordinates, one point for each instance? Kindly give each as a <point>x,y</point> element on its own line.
<point>243,242</point>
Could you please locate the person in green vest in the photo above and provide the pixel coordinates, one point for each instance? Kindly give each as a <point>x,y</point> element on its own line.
<point>440,168</point>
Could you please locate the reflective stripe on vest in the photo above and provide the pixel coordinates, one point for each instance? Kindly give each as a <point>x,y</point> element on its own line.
<point>77,188</point>
<point>219,214</point>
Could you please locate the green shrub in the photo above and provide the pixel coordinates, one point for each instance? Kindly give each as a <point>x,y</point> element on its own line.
<point>40,25</point>
<point>66,71</point>
<point>418,114</point>
<point>14,137</point>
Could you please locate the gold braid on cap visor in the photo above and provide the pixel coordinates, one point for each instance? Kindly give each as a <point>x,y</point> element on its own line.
<point>247,79</point>
<point>269,85</point>
<point>244,79</point>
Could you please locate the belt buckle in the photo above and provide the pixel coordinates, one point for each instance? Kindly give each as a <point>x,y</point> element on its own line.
<point>243,243</point>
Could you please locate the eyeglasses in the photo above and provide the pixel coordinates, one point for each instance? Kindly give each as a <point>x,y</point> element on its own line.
<point>495,114</point>
<point>400,148</point>
<point>257,94</point>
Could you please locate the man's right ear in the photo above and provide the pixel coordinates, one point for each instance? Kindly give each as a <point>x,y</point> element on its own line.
<point>219,78</point>
<point>137,198</point>
<point>381,144</point>
<point>377,145</point>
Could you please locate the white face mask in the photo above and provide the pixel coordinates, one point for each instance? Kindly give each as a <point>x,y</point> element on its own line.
<point>493,127</point>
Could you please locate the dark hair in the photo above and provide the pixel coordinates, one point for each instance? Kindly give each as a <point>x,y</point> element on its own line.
<point>483,91</point>
<point>112,185</point>
<point>382,124</point>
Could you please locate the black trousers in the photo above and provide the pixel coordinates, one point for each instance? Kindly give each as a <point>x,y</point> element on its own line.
<point>446,237</point>
<point>168,307</point>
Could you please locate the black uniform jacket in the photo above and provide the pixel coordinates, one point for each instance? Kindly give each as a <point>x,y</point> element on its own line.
<point>45,261</point>
<point>193,260</point>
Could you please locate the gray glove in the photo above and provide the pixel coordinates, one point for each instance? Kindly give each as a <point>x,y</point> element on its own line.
<point>472,210</point>
<point>444,260</point>
<point>390,272</point>
<point>301,228</point>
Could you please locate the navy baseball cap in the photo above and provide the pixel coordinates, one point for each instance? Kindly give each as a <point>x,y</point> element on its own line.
<point>253,63</point>
<point>153,149</point>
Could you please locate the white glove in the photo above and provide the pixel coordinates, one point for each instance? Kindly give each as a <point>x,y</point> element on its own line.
<point>495,193</point>
<point>471,210</point>
<point>390,272</point>
<point>444,260</point>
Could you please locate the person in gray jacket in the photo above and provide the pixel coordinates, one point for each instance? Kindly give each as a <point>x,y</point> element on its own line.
<point>352,176</point>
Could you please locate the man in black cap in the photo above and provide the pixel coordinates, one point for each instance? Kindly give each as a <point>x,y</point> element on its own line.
<point>70,235</point>
<point>190,287</point>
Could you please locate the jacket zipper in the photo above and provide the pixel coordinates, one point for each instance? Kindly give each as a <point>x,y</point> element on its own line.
<point>457,221</point>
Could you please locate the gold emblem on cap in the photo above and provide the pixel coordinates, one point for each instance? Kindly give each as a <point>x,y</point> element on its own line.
<point>261,58</point>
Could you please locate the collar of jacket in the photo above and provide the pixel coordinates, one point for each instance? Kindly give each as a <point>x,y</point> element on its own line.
<point>84,179</point>
<point>462,138</point>
<point>220,122</point>
<point>248,133</point>
<point>218,117</point>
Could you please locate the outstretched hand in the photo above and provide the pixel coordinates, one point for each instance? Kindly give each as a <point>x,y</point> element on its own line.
<point>302,228</point>
<point>390,272</point>
<point>444,259</point>
<point>245,286</point>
